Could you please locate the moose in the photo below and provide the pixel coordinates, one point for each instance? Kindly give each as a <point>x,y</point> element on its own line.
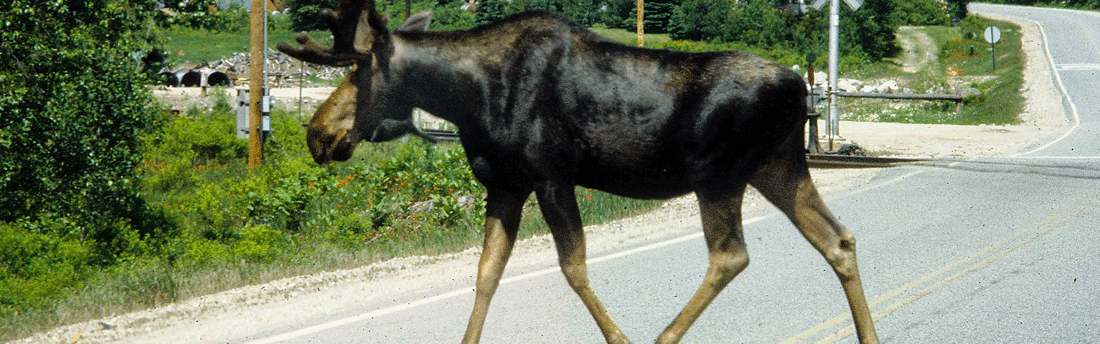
<point>543,105</point>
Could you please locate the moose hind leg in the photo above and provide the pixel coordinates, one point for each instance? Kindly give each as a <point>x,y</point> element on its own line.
<point>789,187</point>
<point>559,208</point>
<point>727,254</point>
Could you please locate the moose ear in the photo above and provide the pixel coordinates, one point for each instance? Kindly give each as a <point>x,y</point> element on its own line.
<point>417,22</point>
<point>371,28</point>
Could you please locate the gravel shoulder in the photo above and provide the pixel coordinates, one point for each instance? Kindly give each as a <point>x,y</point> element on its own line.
<point>255,309</point>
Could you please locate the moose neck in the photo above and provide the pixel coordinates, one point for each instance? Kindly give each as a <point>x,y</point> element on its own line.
<point>444,73</point>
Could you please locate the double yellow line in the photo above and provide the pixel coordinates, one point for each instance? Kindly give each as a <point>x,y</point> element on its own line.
<point>921,287</point>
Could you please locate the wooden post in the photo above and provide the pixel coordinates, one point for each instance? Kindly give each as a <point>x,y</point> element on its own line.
<point>255,82</point>
<point>641,23</point>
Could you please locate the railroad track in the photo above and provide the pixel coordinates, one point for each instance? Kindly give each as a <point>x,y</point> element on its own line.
<point>442,135</point>
<point>856,161</point>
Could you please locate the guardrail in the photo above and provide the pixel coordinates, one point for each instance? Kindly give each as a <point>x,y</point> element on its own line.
<point>912,96</point>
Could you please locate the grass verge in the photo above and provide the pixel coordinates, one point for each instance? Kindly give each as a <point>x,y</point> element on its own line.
<point>227,226</point>
<point>965,63</point>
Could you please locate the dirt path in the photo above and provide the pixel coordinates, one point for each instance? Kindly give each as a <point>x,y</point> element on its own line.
<point>223,316</point>
<point>919,50</point>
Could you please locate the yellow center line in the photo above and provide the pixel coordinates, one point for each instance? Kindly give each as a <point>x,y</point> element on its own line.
<point>990,253</point>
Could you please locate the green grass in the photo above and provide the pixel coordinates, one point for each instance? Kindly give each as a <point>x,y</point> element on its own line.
<point>229,226</point>
<point>200,45</point>
<point>630,37</point>
<point>998,100</point>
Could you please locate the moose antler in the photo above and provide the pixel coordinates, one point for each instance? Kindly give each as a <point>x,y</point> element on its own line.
<point>353,32</point>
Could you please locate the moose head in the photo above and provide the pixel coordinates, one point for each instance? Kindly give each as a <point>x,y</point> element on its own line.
<point>362,107</point>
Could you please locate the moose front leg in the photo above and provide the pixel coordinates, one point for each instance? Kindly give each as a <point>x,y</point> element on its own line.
<point>503,212</point>
<point>559,208</point>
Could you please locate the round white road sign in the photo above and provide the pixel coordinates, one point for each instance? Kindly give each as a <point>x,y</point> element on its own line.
<point>992,34</point>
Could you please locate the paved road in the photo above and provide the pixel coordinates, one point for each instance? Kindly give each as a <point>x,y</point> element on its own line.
<point>992,251</point>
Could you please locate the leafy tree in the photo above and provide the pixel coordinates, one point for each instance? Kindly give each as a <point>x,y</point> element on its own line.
<point>203,15</point>
<point>489,11</point>
<point>304,14</point>
<point>658,13</point>
<point>72,110</point>
<point>700,20</point>
<point>922,12</point>
<point>870,30</point>
<point>959,11</point>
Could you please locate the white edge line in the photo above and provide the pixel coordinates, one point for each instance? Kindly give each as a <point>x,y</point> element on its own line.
<point>413,304</point>
<point>1061,87</point>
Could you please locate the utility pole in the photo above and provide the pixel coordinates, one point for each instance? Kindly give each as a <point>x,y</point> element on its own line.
<point>255,82</point>
<point>641,23</point>
<point>833,124</point>
<point>832,129</point>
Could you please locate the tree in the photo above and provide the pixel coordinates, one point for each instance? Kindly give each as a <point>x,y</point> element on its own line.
<point>870,30</point>
<point>489,11</point>
<point>657,15</point>
<point>304,14</point>
<point>72,110</point>
<point>700,20</point>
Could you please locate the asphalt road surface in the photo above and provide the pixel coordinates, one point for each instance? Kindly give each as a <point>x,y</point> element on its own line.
<point>980,251</point>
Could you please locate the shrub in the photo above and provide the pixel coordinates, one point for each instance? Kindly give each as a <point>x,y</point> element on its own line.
<point>74,108</point>
<point>304,14</point>
<point>923,13</point>
<point>700,20</point>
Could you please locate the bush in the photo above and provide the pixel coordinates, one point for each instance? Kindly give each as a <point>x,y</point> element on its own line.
<point>204,15</point>
<point>304,14</point>
<point>489,11</point>
<point>923,13</point>
<point>867,33</point>
<point>74,108</point>
<point>700,20</point>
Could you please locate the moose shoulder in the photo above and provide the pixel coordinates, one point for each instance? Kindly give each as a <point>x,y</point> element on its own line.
<point>543,104</point>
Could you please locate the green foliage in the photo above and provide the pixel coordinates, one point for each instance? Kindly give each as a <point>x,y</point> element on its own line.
<point>870,30</point>
<point>204,15</point>
<point>957,9</point>
<point>955,62</point>
<point>922,13</point>
<point>37,267</point>
<point>867,33</point>
<point>305,14</point>
<point>489,11</point>
<point>451,16</point>
<point>73,109</point>
<point>700,20</point>
<point>658,15</point>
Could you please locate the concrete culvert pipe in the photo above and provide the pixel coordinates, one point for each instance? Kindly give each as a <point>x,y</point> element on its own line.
<point>218,79</point>
<point>191,79</point>
<point>168,79</point>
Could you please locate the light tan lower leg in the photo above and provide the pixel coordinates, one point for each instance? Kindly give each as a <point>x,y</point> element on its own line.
<point>728,257</point>
<point>576,273</point>
<point>838,246</point>
<point>494,256</point>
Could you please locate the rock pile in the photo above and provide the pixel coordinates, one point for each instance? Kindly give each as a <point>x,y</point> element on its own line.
<point>853,85</point>
<point>282,71</point>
